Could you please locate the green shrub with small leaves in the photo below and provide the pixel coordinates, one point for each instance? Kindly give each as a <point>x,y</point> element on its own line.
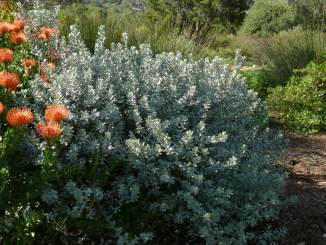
<point>301,104</point>
<point>267,17</point>
<point>258,80</point>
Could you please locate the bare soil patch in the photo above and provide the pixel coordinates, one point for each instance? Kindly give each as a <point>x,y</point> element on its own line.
<point>306,163</point>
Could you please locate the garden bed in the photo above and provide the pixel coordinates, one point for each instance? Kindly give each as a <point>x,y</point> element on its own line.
<point>306,163</point>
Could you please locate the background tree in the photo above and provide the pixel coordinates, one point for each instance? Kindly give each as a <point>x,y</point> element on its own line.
<point>266,17</point>
<point>311,13</point>
<point>202,16</point>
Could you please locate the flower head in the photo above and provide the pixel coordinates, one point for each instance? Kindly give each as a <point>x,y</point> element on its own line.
<point>46,32</point>
<point>9,80</point>
<point>42,36</point>
<point>28,65</point>
<point>18,37</point>
<point>56,113</point>
<point>48,130</point>
<point>6,55</point>
<point>5,27</point>
<point>53,54</point>
<point>19,116</point>
<point>2,107</point>
<point>18,25</point>
<point>51,66</point>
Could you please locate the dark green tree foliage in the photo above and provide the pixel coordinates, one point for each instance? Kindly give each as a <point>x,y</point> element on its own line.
<point>266,17</point>
<point>311,13</point>
<point>202,16</point>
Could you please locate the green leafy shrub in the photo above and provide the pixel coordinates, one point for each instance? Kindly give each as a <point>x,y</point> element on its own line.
<point>267,17</point>
<point>258,81</point>
<point>301,104</point>
<point>6,9</point>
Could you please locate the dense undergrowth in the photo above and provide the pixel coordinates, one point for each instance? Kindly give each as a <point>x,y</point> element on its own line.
<point>301,104</point>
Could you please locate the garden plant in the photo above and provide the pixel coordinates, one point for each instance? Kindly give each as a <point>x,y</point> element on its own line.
<point>124,146</point>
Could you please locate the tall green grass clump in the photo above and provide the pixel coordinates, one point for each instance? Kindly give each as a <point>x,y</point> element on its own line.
<point>161,34</point>
<point>286,51</point>
<point>289,51</point>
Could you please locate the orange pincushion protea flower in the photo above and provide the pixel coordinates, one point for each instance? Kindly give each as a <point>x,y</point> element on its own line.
<point>46,32</point>
<point>53,54</point>
<point>6,55</point>
<point>28,65</point>
<point>51,66</point>
<point>2,107</point>
<point>5,27</point>
<point>18,25</point>
<point>18,37</point>
<point>56,113</point>
<point>19,116</point>
<point>42,36</point>
<point>48,130</point>
<point>9,80</point>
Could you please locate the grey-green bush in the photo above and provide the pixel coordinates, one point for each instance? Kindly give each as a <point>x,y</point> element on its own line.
<point>157,148</point>
<point>160,144</point>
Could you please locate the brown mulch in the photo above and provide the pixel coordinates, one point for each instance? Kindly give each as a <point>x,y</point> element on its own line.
<point>306,164</point>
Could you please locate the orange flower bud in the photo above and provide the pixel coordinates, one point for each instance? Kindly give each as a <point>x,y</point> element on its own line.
<point>28,65</point>
<point>42,37</point>
<point>5,27</point>
<point>18,37</point>
<point>19,116</point>
<point>56,113</point>
<point>53,54</point>
<point>9,80</point>
<point>18,25</point>
<point>48,130</point>
<point>2,107</point>
<point>46,32</point>
<point>51,66</point>
<point>6,55</point>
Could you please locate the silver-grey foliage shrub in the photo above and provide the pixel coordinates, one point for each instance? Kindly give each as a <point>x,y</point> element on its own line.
<point>159,148</point>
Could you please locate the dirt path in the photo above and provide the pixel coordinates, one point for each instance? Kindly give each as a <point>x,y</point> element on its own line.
<point>306,163</point>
